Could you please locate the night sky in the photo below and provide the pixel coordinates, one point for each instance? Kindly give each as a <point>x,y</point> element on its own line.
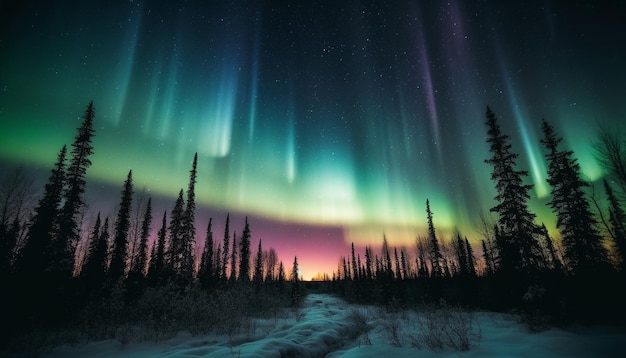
<point>324,122</point>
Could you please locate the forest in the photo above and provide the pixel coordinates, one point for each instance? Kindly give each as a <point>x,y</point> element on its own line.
<point>120,281</point>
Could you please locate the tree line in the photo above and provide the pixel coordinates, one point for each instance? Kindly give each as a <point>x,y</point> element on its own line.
<point>521,265</point>
<point>41,256</point>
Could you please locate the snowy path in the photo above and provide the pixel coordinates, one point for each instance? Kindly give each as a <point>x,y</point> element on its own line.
<point>325,327</point>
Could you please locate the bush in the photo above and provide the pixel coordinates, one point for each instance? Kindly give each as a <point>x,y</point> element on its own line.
<point>446,326</point>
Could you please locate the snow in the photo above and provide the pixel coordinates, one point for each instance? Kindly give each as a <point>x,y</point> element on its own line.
<point>325,326</point>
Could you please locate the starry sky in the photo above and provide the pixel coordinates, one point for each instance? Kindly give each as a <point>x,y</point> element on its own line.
<point>324,122</point>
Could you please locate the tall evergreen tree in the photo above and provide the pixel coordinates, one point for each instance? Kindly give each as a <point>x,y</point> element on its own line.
<point>119,256</point>
<point>68,234</point>
<point>405,265</point>
<point>226,243</point>
<point>386,259</point>
<point>489,266</point>
<point>188,235</point>
<point>471,260</point>
<point>233,259</point>
<point>368,263</point>
<point>617,220</point>
<point>244,254</point>
<point>296,293</point>
<point>435,253</point>
<point>521,249</point>
<point>205,272</point>
<point>554,258</point>
<point>354,265</point>
<point>141,257</point>
<point>461,252</point>
<point>582,242</point>
<point>35,257</point>
<point>157,267</point>
<point>176,229</point>
<point>96,267</point>
<point>257,276</point>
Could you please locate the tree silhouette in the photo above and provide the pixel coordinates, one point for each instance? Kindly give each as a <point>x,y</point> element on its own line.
<point>471,261</point>
<point>244,254</point>
<point>119,256</point>
<point>68,234</point>
<point>257,276</point>
<point>138,270</point>
<point>518,247</point>
<point>157,267</point>
<point>233,259</point>
<point>435,253</point>
<point>35,257</point>
<point>582,242</point>
<point>96,266</point>
<point>176,229</point>
<point>225,248</point>
<point>188,235</point>
<point>205,272</point>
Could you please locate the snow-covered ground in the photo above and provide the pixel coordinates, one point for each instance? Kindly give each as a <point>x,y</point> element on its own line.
<point>326,326</point>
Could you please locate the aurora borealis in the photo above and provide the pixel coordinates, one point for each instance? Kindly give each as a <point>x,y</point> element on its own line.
<point>324,122</point>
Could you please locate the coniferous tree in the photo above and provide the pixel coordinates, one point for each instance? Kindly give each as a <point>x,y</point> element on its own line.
<point>96,267</point>
<point>489,266</point>
<point>397,261</point>
<point>35,258</point>
<point>405,265</point>
<point>141,258</point>
<point>296,294</point>
<point>461,252</point>
<point>257,276</point>
<point>233,259</point>
<point>244,254</point>
<point>519,247</point>
<point>281,276</point>
<point>226,244</point>
<point>368,262</point>
<point>386,258</point>
<point>176,229</point>
<point>422,270</point>
<point>157,268</point>
<point>617,220</point>
<point>205,272</point>
<point>471,261</point>
<point>93,245</point>
<point>354,265</point>
<point>188,235</point>
<point>119,255</point>
<point>68,231</point>
<point>435,253</point>
<point>582,242</point>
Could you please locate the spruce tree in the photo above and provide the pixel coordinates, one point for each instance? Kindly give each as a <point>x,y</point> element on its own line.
<point>617,221</point>
<point>176,230</point>
<point>489,266</point>
<point>96,266</point>
<point>68,232</point>
<point>368,262</point>
<point>226,243</point>
<point>461,252</point>
<point>188,235</point>
<point>141,258</point>
<point>233,259</point>
<point>35,257</point>
<point>435,253</point>
<point>244,254</point>
<point>517,228</point>
<point>556,262</point>
<point>157,267</point>
<point>581,240</point>
<point>397,261</point>
<point>354,265</point>
<point>119,256</point>
<point>296,293</point>
<point>257,276</point>
<point>205,272</point>
<point>471,261</point>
